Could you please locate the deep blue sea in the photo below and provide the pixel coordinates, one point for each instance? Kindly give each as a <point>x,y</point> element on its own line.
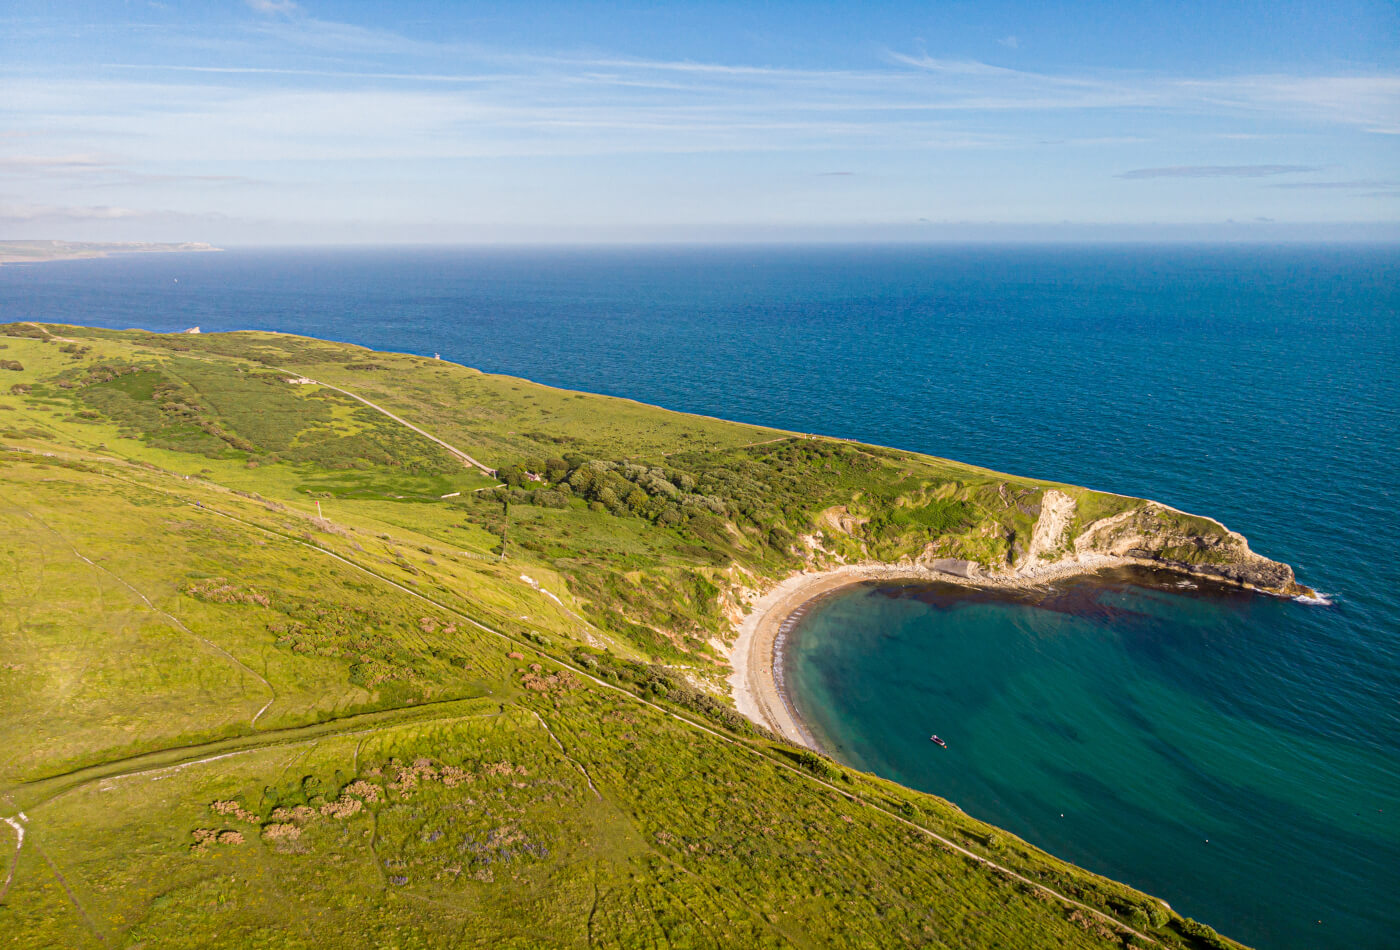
<point>1258,385</point>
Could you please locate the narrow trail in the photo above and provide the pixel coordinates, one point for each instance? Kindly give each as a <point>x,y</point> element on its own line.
<point>404,422</point>
<point>17,824</point>
<point>168,616</point>
<point>577,764</point>
<point>72,898</point>
<point>554,597</point>
<point>40,326</point>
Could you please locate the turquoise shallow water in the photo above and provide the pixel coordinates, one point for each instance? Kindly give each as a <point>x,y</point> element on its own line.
<point>1257,385</point>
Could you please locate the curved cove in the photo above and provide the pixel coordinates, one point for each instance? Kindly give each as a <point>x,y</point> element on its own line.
<point>1181,739</point>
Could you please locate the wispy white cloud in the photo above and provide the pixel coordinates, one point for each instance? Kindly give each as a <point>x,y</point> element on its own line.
<point>201,122</point>
<point>332,36</point>
<point>559,105</point>
<point>317,73</point>
<point>213,114</point>
<point>36,212</point>
<point>964,67</point>
<point>31,164</point>
<point>1338,185</point>
<point>689,66</point>
<point>1370,102</point>
<point>105,171</point>
<point>1096,141</point>
<point>274,7</point>
<point>1218,171</point>
<point>901,82</point>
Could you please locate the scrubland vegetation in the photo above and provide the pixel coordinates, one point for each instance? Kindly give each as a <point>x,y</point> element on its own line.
<point>277,671</point>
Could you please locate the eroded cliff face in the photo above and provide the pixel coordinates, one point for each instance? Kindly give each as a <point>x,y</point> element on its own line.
<point>1148,534</point>
<point>1156,535</point>
<point>1050,537</point>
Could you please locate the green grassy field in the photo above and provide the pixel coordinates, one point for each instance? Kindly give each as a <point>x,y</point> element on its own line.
<point>278,671</point>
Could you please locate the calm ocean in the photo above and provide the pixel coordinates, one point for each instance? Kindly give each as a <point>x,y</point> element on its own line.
<point>1258,385</point>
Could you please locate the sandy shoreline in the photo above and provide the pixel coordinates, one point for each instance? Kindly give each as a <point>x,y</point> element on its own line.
<point>756,682</point>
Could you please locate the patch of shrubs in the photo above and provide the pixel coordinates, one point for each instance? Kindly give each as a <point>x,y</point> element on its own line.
<point>204,837</point>
<point>771,492</point>
<point>818,765</point>
<point>219,591</point>
<point>24,330</point>
<point>1199,934</point>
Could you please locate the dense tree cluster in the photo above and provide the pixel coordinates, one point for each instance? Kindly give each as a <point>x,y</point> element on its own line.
<point>664,496</point>
<point>774,489</point>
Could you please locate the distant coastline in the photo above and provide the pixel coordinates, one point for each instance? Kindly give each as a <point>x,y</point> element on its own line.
<point>42,252</point>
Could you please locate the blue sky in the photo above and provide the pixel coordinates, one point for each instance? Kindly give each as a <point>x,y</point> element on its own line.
<point>274,121</point>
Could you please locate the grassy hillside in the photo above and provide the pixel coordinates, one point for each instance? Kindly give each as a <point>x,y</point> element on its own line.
<point>279,670</point>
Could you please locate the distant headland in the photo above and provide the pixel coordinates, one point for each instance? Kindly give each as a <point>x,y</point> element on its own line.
<point>38,252</point>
